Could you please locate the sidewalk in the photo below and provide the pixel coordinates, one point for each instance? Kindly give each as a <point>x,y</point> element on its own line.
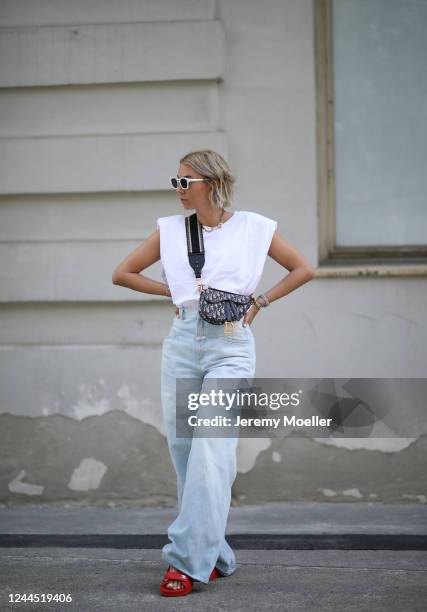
<point>291,556</point>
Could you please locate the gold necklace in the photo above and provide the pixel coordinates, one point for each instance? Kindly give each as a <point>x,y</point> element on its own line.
<point>210,229</point>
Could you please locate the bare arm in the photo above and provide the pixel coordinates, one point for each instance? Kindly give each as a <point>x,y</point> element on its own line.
<point>300,269</point>
<point>127,273</point>
<point>300,272</point>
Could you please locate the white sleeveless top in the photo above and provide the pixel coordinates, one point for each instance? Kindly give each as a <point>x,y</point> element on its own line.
<point>235,255</point>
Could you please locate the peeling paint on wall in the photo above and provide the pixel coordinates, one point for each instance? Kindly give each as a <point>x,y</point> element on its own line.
<point>420,498</point>
<point>132,462</point>
<point>93,400</point>
<point>248,450</point>
<point>88,475</point>
<point>141,408</point>
<point>17,486</point>
<point>353,493</point>
<point>386,445</point>
<point>300,468</point>
<point>349,492</point>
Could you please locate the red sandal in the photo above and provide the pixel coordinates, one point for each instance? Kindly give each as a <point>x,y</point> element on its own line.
<point>187,581</point>
<point>215,574</point>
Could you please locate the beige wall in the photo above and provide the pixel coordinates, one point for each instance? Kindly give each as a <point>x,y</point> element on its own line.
<point>98,101</point>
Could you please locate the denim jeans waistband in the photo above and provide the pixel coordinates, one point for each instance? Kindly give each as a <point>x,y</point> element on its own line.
<point>187,312</point>
<point>188,321</point>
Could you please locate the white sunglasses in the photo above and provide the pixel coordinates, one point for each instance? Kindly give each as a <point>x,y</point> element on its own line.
<point>184,182</point>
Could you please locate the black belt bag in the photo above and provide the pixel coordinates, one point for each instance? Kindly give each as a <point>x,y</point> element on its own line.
<point>215,305</point>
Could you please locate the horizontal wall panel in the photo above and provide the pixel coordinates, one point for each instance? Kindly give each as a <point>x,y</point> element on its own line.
<point>67,271</point>
<point>90,324</point>
<point>57,12</point>
<point>109,109</point>
<point>97,163</point>
<point>87,216</point>
<point>111,53</point>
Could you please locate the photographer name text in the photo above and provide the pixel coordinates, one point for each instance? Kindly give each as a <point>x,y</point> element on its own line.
<point>286,421</point>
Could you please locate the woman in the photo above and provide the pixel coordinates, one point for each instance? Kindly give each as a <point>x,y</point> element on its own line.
<point>236,245</point>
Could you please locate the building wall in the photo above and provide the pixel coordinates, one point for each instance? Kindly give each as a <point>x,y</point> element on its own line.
<point>98,101</point>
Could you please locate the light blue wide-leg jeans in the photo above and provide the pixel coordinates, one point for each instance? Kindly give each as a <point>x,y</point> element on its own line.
<point>205,466</point>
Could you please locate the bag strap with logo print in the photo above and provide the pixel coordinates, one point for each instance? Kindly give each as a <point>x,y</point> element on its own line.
<point>195,247</point>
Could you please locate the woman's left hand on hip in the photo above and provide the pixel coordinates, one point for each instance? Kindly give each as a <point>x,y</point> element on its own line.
<point>250,315</point>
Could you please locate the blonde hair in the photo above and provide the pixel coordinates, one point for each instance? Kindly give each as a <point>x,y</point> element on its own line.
<point>212,165</point>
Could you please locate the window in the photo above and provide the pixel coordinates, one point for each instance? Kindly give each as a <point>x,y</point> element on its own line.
<point>371,82</point>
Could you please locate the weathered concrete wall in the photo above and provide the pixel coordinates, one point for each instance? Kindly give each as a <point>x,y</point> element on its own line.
<point>97,105</point>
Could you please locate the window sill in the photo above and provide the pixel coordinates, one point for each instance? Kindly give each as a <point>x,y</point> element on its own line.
<point>348,271</point>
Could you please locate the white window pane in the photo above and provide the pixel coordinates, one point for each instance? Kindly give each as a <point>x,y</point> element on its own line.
<point>380,123</point>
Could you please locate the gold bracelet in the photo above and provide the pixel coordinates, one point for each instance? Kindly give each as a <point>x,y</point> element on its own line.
<point>262,300</point>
